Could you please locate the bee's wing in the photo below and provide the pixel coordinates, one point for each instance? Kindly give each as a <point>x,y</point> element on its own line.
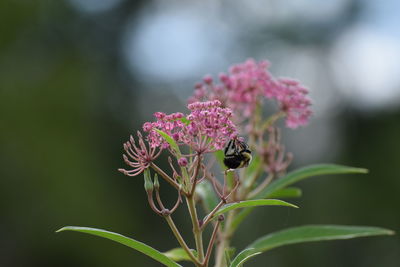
<point>230,149</point>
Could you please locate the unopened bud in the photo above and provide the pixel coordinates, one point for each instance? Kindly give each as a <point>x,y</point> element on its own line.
<point>156,183</point>
<point>148,184</point>
<point>182,162</point>
<point>208,79</point>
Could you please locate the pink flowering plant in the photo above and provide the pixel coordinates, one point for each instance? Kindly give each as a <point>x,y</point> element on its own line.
<point>225,159</point>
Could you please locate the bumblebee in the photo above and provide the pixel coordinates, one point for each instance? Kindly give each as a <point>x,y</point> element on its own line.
<point>237,154</point>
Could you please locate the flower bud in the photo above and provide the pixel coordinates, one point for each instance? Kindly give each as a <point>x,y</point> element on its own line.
<point>182,162</point>
<point>156,183</point>
<point>208,79</point>
<point>148,184</point>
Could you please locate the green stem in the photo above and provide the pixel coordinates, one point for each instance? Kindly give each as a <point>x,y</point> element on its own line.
<point>225,240</point>
<point>271,120</point>
<point>211,215</point>
<point>211,244</point>
<point>193,179</point>
<point>181,240</point>
<point>261,187</point>
<point>196,228</point>
<point>165,176</point>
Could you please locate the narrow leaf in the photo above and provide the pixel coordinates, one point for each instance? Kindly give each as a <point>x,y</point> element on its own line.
<point>253,203</point>
<point>244,256</point>
<point>289,192</point>
<point>295,176</point>
<point>312,233</point>
<point>306,172</point>
<point>170,141</point>
<point>178,254</point>
<point>139,246</point>
<point>228,253</point>
<point>307,233</point>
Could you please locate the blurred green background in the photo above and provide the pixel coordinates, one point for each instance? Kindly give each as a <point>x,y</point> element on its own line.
<point>78,77</point>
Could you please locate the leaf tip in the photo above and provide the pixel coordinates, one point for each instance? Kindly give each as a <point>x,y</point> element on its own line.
<point>61,229</point>
<point>390,232</point>
<point>362,170</point>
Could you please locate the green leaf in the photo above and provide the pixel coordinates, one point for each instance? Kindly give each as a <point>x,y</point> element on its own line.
<point>228,253</point>
<point>244,256</point>
<point>253,203</point>
<point>289,192</point>
<point>184,120</point>
<point>306,172</point>
<point>309,233</point>
<point>139,246</point>
<point>207,195</point>
<point>179,254</point>
<point>295,176</point>
<point>171,142</point>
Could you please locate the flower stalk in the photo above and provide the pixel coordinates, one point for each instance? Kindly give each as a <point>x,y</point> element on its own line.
<point>197,232</point>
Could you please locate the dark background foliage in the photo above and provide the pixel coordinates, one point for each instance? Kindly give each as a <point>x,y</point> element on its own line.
<point>78,77</point>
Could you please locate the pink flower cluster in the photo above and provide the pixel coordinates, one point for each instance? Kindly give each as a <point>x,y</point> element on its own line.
<point>247,84</point>
<point>208,127</point>
<point>172,124</point>
<point>293,100</point>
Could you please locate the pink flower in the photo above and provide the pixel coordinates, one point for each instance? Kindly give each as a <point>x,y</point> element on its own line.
<point>245,87</point>
<point>240,90</point>
<point>293,100</point>
<point>139,157</point>
<point>207,128</point>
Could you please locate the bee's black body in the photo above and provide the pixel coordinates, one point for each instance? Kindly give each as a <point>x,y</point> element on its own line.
<point>237,154</point>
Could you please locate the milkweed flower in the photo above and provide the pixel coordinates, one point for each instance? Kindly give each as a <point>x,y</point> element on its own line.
<point>293,101</point>
<point>207,128</point>
<point>138,156</point>
<point>245,87</point>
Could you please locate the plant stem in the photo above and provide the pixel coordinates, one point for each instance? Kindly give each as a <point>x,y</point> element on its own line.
<point>193,179</point>
<point>264,184</point>
<point>225,240</point>
<point>211,215</point>
<point>271,120</point>
<point>196,228</point>
<point>181,240</point>
<point>211,244</point>
<point>165,176</point>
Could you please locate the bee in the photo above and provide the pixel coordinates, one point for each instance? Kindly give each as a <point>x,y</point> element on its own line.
<point>237,154</point>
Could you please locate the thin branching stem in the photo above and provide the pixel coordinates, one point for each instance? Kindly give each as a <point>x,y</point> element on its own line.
<point>208,218</point>
<point>165,176</point>
<point>211,243</point>
<point>263,185</point>
<point>198,237</point>
<point>193,179</point>
<point>181,241</point>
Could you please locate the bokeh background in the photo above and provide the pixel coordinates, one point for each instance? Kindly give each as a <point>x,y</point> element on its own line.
<point>77,77</point>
